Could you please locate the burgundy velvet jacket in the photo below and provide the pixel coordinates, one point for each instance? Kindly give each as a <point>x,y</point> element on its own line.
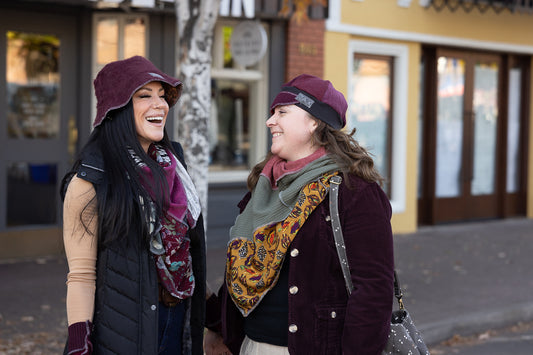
<point>322,318</point>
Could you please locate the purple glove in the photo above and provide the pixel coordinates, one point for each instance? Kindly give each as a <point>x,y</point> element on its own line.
<point>79,338</point>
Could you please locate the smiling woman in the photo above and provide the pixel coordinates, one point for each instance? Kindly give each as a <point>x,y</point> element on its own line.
<point>284,290</point>
<point>133,231</point>
<point>150,109</point>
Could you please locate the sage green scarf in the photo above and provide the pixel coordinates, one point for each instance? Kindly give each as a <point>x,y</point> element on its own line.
<point>267,206</point>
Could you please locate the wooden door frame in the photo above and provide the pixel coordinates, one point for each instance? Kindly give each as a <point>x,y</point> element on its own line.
<point>500,204</point>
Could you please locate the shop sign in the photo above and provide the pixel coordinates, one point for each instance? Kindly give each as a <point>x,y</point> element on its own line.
<point>248,43</point>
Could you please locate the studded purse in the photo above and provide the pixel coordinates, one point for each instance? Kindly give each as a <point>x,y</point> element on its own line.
<point>404,338</point>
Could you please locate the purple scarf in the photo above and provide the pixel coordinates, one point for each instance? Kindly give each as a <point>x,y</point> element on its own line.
<point>174,267</point>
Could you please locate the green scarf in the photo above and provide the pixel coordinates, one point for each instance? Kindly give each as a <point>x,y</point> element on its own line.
<point>268,206</point>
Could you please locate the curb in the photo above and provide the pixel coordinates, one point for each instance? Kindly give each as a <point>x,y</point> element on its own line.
<point>470,324</point>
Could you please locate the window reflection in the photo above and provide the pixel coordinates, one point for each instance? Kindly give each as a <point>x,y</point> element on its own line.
<point>31,194</point>
<point>118,37</point>
<point>106,40</point>
<point>33,78</point>
<point>451,83</point>
<point>485,124</point>
<point>370,106</point>
<point>228,125</point>
<point>513,131</point>
<point>134,37</point>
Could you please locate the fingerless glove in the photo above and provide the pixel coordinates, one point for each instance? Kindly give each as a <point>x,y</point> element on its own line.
<point>79,338</point>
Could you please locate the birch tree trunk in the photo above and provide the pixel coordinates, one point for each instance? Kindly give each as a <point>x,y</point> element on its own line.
<point>195,25</point>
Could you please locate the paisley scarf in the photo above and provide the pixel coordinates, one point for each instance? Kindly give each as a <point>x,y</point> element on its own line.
<point>264,230</point>
<point>170,244</point>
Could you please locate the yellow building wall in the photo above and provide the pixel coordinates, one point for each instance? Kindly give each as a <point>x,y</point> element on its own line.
<point>489,27</point>
<point>406,222</point>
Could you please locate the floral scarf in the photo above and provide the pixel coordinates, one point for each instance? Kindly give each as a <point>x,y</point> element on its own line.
<point>170,244</point>
<point>265,229</point>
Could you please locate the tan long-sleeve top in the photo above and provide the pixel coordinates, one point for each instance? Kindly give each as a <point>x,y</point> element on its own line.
<point>80,247</point>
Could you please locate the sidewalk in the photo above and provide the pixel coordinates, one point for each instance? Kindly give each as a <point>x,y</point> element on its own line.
<point>466,278</point>
<point>457,279</point>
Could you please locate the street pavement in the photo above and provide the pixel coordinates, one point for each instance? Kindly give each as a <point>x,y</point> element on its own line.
<point>516,340</point>
<point>459,280</point>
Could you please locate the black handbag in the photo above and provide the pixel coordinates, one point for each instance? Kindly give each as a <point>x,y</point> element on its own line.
<point>404,338</point>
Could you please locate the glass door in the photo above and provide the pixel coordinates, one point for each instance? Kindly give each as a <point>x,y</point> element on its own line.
<point>466,152</point>
<point>516,138</point>
<point>37,118</point>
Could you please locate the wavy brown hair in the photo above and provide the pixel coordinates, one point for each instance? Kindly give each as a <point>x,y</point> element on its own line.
<point>342,147</point>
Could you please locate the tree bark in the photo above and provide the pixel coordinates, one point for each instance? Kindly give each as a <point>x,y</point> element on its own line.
<point>195,25</point>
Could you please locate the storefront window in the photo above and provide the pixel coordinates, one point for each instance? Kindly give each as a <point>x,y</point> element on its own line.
<point>450,107</point>
<point>134,37</point>
<point>106,40</point>
<point>377,108</point>
<point>31,191</point>
<point>119,37</point>
<point>229,139</point>
<point>485,105</point>
<point>239,110</point>
<point>370,109</point>
<point>513,131</point>
<point>33,79</point>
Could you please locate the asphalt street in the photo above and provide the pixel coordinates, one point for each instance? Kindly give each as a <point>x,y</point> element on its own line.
<point>515,340</point>
<point>465,286</point>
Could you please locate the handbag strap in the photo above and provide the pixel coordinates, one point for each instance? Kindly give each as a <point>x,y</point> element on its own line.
<point>335,182</point>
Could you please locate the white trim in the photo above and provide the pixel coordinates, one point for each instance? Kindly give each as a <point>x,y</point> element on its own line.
<point>399,114</point>
<point>334,24</point>
<point>227,176</point>
<point>334,12</point>
<point>231,74</point>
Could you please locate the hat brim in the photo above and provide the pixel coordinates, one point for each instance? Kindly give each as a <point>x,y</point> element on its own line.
<point>282,99</point>
<point>173,88</point>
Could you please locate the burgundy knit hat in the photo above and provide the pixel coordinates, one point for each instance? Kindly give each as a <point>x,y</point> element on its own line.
<point>116,83</point>
<point>316,96</point>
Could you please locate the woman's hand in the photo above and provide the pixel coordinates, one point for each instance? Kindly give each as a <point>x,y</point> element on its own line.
<point>214,344</point>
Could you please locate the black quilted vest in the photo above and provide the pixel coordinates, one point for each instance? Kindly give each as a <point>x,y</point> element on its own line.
<point>126,302</point>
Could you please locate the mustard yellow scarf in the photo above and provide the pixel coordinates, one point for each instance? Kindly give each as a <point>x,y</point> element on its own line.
<point>253,265</point>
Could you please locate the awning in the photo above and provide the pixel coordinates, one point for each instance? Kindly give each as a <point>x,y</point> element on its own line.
<point>514,6</point>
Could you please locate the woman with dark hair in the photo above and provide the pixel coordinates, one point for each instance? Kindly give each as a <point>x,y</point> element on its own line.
<point>132,226</point>
<point>284,290</point>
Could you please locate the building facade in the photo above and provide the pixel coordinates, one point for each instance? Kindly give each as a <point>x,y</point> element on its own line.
<point>50,51</point>
<point>439,91</point>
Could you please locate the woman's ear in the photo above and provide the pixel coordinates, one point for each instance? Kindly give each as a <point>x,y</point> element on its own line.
<point>313,126</point>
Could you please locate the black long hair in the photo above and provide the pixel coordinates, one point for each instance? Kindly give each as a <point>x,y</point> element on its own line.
<point>118,197</point>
